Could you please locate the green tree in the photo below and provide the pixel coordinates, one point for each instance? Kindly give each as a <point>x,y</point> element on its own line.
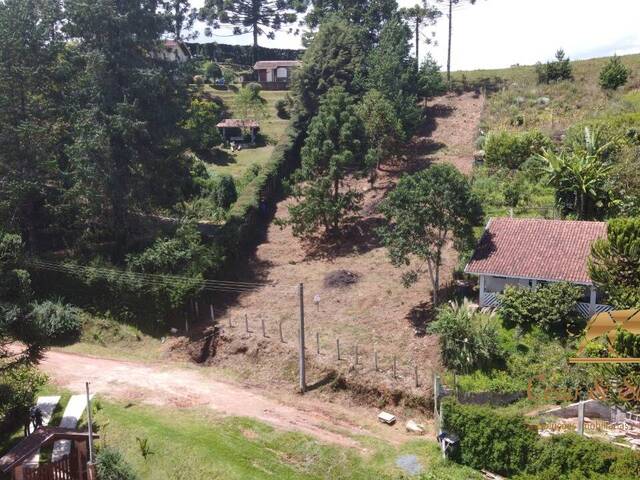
<point>430,81</point>
<point>417,16</point>
<point>202,118</point>
<point>468,338</point>
<point>614,74</point>
<point>424,213</point>
<point>581,182</point>
<point>335,145</point>
<point>211,70</point>
<point>450,4</point>
<point>260,17</point>
<point>128,107</point>
<point>248,104</point>
<point>557,70</point>
<point>368,15</point>
<point>33,127</point>
<point>614,265</point>
<point>383,128</point>
<point>334,58</point>
<point>391,71</point>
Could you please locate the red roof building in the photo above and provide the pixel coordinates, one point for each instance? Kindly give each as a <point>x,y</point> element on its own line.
<point>529,251</point>
<point>275,74</point>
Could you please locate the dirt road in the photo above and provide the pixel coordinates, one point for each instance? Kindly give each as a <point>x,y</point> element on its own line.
<point>186,387</point>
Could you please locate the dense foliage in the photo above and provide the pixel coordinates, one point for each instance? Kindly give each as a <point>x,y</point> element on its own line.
<point>468,338</point>
<point>425,212</point>
<point>512,150</point>
<point>614,74</point>
<point>550,307</point>
<point>555,71</point>
<point>111,465</point>
<point>614,265</point>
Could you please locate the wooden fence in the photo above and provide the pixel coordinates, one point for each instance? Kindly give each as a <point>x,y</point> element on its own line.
<point>64,469</point>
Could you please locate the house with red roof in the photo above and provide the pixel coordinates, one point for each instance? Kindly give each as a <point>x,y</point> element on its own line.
<point>275,74</point>
<point>528,252</point>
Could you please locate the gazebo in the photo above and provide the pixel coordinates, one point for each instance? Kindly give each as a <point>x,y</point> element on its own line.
<point>234,128</point>
<point>70,466</point>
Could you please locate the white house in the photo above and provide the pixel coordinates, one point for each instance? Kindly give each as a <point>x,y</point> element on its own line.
<point>173,51</point>
<point>530,251</point>
<point>274,74</point>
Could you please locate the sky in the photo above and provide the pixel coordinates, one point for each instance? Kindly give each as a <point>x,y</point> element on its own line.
<point>500,33</point>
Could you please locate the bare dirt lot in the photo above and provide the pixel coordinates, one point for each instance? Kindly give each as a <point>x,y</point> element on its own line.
<point>374,312</point>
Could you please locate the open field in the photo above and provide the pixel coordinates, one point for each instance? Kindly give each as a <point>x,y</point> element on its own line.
<point>517,105</point>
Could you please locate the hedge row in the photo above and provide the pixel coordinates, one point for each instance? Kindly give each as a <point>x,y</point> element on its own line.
<point>241,54</point>
<point>503,443</point>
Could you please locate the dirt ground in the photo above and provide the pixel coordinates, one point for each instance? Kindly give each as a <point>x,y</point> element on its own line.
<point>375,314</point>
<point>153,384</point>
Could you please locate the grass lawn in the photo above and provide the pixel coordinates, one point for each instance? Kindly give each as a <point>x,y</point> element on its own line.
<point>198,444</point>
<point>272,127</point>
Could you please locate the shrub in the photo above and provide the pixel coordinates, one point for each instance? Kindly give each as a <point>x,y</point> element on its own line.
<point>468,338</point>
<point>18,389</point>
<point>56,321</point>
<point>211,70</point>
<point>111,465</point>
<point>558,70</point>
<point>550,307</point>
<point>614,74</point>
<point>430,80</point>
<point>489,439</point>
<point>511,150</point>
<point>224,191</point>
<point>282,108</point>
<point>200,124</point>
<point>255,88</point>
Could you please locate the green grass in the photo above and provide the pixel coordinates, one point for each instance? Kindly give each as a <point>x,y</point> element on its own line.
<point>517,100</point>
<point>198,444</point>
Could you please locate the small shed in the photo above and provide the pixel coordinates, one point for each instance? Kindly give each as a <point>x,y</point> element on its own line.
<point>234,129</point>
<point>70,466</point>
<point>527,252</point>
<point>275,74</point>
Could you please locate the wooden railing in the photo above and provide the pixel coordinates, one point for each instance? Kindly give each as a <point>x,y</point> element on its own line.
<point>63,469</point>
<point>490,299</point>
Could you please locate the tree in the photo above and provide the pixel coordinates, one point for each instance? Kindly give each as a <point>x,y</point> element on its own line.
<point>200,124</point>
<point>417,15</point>
<point>334,58</point>
<point>33,124</point>
<point>450,4</point>
<point>424,213</point>
<point>430,81</point>
<point>614,265</point>
<point>468,338</point>
<point>581,182</point>
<point>614,74</point>
<point>334,145</point>
<point>182,17</point>
<point>382,125</point>
<point>248,104</point>
<point>127,110</point>
<point>369,15</point>
<point>391,71</point>
<point>558,70</point>
<point>211,70</point>
<point>260,17</point>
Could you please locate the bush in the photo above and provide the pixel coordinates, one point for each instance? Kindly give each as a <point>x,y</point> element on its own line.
<point>111,465</point>
<point>430,80</point>
<point>558,70</point>
<point>255,88</point>
<point>282,108</point>
<point>511,150</point>
<point>224,192</point>
<point>211,70</point>
<point>200,124</point>
<point>56,321</point>
<point>550,307</point>
<point>614,74</point>
<point>468,338</point>
<point>18,389</point>
<point>489,439</point>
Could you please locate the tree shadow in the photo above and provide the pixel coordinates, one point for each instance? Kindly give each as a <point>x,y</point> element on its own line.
<point>420,316</point>
<point>432,113</point>
<point>217,156</point>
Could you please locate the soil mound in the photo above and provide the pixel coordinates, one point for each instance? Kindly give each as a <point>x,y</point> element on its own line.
<point>340,279</point>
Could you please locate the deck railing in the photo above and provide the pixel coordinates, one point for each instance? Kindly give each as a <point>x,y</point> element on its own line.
<point>490,299</point>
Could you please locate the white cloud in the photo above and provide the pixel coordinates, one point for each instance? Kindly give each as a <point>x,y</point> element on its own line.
<point>499,33</point>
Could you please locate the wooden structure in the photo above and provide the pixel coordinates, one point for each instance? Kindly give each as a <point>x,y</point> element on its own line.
<point>527,252</point>
<point>275,74</point>
<point>234,129</point>
<point>73,466</point>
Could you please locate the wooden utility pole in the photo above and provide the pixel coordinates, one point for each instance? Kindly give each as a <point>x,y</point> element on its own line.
<point>303,382</point>
<point>91,462</point>
<point>449,47</point>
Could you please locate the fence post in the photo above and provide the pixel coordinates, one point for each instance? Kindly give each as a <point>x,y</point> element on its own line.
<point>338,347</point>
<point>318,343</point>
<point>415,369</point>
<point>375,360</point>
<point>303,380</point>
<point>213,316</point>
<point>197,311</point>
<point>394,367</point>
<point>246,322</point>
<point>264,330</point>
<point>280,330</point>
<point>356,351</point>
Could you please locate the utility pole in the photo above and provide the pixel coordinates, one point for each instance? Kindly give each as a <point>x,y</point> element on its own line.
<point>90,463</point>
<point>303,382</point>
<point>449,47</point>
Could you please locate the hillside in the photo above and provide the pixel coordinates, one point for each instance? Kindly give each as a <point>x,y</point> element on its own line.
<point>519,102</point>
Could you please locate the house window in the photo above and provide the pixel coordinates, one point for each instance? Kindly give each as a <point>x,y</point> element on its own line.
<point>281,73</point>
